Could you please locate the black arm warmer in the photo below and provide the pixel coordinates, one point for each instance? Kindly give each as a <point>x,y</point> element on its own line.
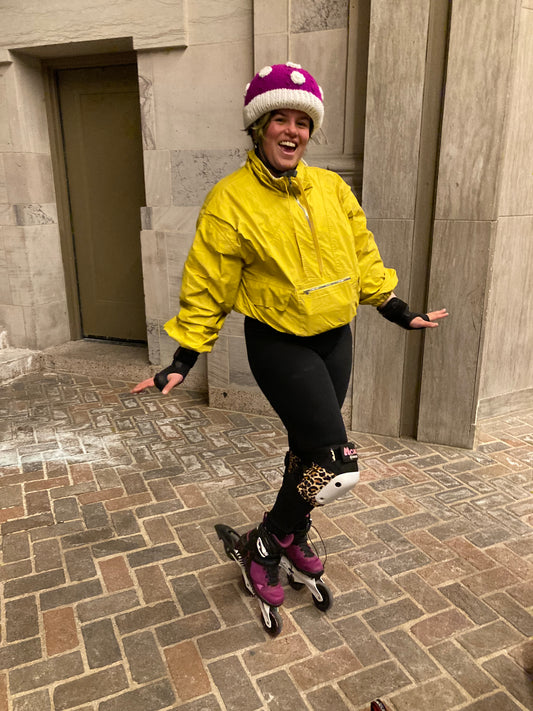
<point>183,361</point>
<point>398,312</point>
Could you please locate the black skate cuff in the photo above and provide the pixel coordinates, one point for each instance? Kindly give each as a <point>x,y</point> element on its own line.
<point>184,359</point>
<point>397,311</point>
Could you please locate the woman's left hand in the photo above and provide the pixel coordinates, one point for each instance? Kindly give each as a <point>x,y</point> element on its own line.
<point>434,316</point>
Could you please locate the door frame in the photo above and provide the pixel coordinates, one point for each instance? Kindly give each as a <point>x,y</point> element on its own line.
<point>59,168</point>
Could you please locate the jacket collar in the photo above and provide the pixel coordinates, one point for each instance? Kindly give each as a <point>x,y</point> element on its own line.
<point>282,184</point>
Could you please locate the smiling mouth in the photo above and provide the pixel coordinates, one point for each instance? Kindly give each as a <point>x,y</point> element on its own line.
<point>288,146</point>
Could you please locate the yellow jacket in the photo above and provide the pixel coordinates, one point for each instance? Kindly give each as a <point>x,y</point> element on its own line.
<point>294,253</point>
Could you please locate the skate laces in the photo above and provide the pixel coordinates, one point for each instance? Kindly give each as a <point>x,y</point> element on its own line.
<point>310,548</point>
<point>272,572</point>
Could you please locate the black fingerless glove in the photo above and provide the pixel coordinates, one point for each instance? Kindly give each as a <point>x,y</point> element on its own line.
<point>397,311</point>
<point>183,361</point>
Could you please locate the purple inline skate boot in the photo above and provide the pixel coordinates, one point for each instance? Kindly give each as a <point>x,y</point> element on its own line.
<point>260,552</point>
<point>301,555</point>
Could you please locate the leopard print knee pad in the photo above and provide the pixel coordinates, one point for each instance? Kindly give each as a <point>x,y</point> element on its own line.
<point>320,485</point>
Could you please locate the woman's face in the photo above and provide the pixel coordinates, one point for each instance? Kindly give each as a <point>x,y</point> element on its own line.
<point>286,138</point>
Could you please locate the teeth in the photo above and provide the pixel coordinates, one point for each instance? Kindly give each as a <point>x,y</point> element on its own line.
<point>289,144</point>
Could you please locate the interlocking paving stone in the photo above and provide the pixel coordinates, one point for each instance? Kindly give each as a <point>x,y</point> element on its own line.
<point>46,672</point>
<point>412,657</point>
<point>328,697</point>
<point>440,694</point>
<point>116,593</point>
<point>466,601</point>
<point>494,702</point>
<point>512,612</point>
<point>462,668</point>
<point>490,638</point>
<point>392,614</point>
<point>152,697</point>
<point>234,686</point>
<point>382,680</point>
<point>325,667</point>
<point>280,693</point>
<point>515,680</point>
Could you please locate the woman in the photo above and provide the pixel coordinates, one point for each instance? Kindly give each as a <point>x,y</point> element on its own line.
<point>287,246</point>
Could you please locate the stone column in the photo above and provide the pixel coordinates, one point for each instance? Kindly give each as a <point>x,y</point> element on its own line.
<point>394,192</point>
<point>482,35</point>
<point>32,292</point>
<point>507,373</point>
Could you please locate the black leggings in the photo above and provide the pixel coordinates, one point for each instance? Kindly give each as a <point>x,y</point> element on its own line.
<point>305,379</point>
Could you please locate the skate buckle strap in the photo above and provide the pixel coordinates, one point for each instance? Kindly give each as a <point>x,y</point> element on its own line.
<point>263,552</point>
<point>346,453</point>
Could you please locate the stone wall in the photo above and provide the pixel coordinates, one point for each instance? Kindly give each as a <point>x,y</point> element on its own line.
<point>393,160</point>
<point>33,305</point>
<point>481,251</point>
<point>507,374</point>
<point>447,179</point>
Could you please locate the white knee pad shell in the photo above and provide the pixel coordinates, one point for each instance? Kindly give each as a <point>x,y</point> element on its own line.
<point>321,484</point>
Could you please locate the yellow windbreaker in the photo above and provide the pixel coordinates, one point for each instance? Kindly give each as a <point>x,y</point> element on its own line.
<point>294,253</point>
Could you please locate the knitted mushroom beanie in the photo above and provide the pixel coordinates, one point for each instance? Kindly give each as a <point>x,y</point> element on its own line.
<point>283,86</point>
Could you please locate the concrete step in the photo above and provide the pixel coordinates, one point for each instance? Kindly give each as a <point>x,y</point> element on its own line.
<point>85,357</point>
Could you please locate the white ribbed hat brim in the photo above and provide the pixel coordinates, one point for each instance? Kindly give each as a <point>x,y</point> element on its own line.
<point>284,99</point>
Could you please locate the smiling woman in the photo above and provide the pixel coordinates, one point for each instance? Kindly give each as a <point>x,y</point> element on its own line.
<point>286,245</point>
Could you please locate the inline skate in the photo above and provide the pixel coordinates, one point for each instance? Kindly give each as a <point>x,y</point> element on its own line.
<point>260,556</point>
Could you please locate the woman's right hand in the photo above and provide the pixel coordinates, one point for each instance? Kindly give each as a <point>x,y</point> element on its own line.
<point>173,379</point>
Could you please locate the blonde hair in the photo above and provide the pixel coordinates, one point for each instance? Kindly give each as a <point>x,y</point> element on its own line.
<point>257,130</point>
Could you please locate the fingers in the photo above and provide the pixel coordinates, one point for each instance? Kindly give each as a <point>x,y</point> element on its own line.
<point>173,380</point>
<point>437,315</point>
<point>140,387</point>
<point>419,322</point>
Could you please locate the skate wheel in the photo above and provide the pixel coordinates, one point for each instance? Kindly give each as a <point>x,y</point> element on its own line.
<point>378,705</point>
<point>276,623</point>
<point>327,599</point>
<point>292,582</point>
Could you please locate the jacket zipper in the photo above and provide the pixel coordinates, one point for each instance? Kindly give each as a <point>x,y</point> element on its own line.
<point>324,286</point>
<point>310,223</point>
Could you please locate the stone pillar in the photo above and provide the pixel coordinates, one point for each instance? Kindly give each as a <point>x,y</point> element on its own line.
<point>466,228</point>
<point>396,200</point>
<point>32,292</point>
<point>192,134</point>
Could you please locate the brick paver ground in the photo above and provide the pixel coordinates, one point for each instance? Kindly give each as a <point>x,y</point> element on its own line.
<point>116,594</point>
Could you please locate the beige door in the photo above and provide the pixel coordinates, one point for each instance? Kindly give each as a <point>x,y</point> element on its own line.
<point>101,125</point>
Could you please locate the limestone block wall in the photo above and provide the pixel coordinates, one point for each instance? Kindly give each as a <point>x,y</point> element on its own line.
<point>33,305</point>
<point>391,177</point>
<point>450,202</point>
<point>192,131</point>
<point>32,293</point>
<point>149,22</point>
<point>481,252</point>
<point>507,374</point>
